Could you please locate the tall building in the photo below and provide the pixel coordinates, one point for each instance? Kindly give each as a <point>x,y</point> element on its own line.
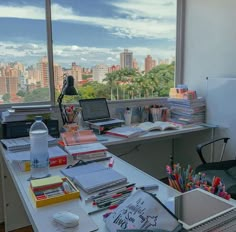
<point>126,59</point>
<point>149,63</point>
<point>135,64</point>
<point>58,76</point>
<point>99,72</point>
<point>76,72</point>
<point>42,66</point>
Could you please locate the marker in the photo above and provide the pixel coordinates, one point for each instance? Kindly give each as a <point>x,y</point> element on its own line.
<point>104,208</point>
<point>106,192</point>
<point>148,187</point>
<point>111,163</point>
<point>114,195</point>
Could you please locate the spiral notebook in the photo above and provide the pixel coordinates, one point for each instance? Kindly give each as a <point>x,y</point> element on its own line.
<point>94,176</point>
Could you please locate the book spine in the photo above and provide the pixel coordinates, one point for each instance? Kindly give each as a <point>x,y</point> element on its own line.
<point>54,161</point>
<point>57,161</point>
<point>89,152</point>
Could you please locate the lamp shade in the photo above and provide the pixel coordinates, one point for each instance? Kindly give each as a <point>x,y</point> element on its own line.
<point>69,88</point>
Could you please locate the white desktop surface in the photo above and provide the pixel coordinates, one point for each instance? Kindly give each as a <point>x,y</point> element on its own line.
<point>41,218</point>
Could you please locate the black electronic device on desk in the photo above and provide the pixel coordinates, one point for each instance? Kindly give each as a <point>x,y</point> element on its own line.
<point>18,129</point>
<point>96,115</point>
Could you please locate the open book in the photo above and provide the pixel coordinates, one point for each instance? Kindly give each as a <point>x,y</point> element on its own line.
<point>126,132</point>
<point>158,125</point>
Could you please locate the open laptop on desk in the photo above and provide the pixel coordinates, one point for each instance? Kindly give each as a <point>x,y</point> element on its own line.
<point>96,114</point>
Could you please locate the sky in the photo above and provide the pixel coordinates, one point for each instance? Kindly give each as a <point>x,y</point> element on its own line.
<point>87,32</point>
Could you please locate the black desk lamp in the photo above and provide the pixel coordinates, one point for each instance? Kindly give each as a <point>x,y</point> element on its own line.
<point>67,89</point>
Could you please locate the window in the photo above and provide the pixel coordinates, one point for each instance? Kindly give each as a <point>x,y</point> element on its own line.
<point>121,49</point>
<point>23,52</point>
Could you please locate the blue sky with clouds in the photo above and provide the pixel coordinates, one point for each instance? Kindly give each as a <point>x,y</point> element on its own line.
<point>88,32</point>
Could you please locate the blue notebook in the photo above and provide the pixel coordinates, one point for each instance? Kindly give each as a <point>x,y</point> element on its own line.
<point>93,177</point>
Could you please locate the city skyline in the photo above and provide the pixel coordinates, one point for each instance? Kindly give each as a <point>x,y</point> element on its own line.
<point>88,32</point>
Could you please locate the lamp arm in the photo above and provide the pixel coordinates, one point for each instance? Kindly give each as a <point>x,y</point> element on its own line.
<point>59,100</point>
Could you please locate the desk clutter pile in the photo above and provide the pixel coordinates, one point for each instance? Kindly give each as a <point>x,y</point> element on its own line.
<point>185,106</point>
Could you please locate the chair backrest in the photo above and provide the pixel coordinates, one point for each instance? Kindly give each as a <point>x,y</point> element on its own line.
<point>203,145</point>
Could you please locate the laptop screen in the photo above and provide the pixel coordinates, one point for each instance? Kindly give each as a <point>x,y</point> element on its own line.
<point>93,109</point>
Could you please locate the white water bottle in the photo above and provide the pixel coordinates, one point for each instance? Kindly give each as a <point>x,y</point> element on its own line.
<point>39,156</point>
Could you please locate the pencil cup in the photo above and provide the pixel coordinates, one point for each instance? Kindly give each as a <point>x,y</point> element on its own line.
<point>128,116</point>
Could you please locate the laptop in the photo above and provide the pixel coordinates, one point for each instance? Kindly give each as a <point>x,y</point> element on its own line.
<point>96,113</point>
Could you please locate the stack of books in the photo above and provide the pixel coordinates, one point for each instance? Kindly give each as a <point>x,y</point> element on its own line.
<point>57,157</point>
<point>21,113</point>
<point>86,152</point>
<point>187,111</point>
<point>71,138</point>
<point>94,176</point>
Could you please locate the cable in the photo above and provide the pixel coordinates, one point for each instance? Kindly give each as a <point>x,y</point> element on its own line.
<point>126,153</point>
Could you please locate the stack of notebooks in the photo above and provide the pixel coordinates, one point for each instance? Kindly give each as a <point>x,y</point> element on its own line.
<point>86,152</point>
<point>23,143</point>
<point>187,111</point>
<point>94,176</point>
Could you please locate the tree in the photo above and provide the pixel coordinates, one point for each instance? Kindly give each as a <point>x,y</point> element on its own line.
<point>163,77</point>
<point>6,97</point>
<point>37,95</point>
<point>21,93</point>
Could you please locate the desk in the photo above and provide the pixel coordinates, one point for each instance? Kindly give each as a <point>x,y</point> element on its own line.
<point>112,140</point>
<point>15,186</point>
<point>40,218</point>
<point>155,135</point>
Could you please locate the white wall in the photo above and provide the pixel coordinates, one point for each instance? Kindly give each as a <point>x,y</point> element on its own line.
<point>210,41</point>
<point>210,48</point>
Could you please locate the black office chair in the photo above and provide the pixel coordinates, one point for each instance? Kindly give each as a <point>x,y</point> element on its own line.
<point>226,170</point>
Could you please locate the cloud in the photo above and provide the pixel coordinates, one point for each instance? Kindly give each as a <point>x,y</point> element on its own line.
<point>30,54</point>
<point>134,18</point>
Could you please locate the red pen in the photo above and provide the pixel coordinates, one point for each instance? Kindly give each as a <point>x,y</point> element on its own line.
<point>104,208</point>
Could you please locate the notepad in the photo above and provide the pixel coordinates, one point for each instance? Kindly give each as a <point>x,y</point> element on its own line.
<point>94,176</point>
<point>46,183</point>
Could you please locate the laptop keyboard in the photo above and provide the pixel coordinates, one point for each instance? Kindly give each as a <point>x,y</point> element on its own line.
<point>101,120</point>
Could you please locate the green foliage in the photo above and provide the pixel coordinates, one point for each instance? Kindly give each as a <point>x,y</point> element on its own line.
<point>40,94</point>
<point>86,76</point>
<point>21,93</point>
<point>6,97</point>
<point>121,84</point>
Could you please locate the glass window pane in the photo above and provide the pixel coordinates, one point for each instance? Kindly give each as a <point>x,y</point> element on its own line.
<point>121,49</point>
<point>23,52</point>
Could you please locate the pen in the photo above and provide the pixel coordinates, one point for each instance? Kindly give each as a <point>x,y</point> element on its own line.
<point>148,187</point>
<point>81,162</point>
<point>106,192</point>
<point>104,208</point>
<point>113,201</point>
<point>114,195</point>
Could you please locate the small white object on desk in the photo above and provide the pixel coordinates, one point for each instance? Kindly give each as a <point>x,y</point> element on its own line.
<point>66,219</point>
<point>128,116</point>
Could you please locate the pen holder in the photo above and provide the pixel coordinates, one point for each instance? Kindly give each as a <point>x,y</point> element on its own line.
<point>128,116</point>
